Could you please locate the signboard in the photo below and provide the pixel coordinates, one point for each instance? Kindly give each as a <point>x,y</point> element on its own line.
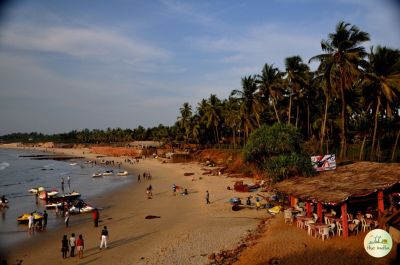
<point>323,163</point>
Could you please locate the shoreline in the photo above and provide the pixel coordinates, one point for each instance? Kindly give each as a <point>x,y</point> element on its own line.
<point>184,233</point>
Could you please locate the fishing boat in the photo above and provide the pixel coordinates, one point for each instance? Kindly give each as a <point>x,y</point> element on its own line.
<point>36,190</point>
<point>85,209</point>
<point>70,196</point>
<point>97,175</point>
<point>122,173</point>
<point>25,217</point>
<point>73,164</point>
<point>108,173</point>
<point>44,195</point>
<point>53,205</point>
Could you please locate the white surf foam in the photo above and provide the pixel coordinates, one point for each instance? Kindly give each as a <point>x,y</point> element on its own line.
<point>4,165</point>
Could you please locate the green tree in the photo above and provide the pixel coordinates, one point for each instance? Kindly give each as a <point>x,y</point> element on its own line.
<point>342,58</point>
<point>277,150</point>
<point>382,85</point>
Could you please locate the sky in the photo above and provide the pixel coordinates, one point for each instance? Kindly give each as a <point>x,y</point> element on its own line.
<point>71,65</point>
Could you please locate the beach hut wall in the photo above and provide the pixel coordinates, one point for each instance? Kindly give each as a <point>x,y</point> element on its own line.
<point>353,180</point>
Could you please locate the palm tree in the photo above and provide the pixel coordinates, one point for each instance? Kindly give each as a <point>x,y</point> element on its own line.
<point>250,105</point>
<point>342,58</point>
<point>271,84</point>
<point>231,114</point>
<point>184,119</point>
<point>213,114</point>
<point>382,84</point>
<point>297,74</point>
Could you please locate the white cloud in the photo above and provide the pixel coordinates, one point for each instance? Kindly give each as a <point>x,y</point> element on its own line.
<point>82,43</point>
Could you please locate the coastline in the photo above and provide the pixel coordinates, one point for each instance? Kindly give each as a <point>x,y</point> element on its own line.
<point>185,233</point>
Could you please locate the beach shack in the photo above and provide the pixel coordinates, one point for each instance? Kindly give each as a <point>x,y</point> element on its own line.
<point>354,185</point>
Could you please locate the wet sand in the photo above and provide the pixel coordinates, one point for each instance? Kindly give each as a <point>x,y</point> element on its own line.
<point>187,231</point>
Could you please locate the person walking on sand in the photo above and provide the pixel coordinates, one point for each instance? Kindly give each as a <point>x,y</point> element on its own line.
<point>69,183</point>
<point>66,220</point>
<point>138,177</point>
<point>45,216</point>
<point>104,237</point>
<point>96,216</point>
<point>72,241</point>
<point>64,247</point>
<point>31,221</point>
<point>151,190</point>
<point>62,184</point>
<point>80,244</point>
<point>207,197</point>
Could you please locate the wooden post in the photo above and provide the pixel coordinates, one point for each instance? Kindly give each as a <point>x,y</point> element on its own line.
<point>381,204</point>
<point>308,209</point>
<point>319,211</point>
<point>345,225</point>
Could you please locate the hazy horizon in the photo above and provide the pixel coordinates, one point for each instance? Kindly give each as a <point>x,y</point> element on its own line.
<point>71,65</point>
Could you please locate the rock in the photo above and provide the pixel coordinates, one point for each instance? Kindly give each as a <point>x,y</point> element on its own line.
<point>211,256</point>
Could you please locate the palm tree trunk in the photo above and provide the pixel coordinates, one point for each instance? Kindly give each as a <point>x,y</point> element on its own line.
<point>290,108</point>
<point>395,145</point>
<point>276,112</point>
<point>308,121</point>
<point>297,115</point>
<point>324,123</point>
<point>373,153</point>
<point>360,157</point>
<point>343,129</point>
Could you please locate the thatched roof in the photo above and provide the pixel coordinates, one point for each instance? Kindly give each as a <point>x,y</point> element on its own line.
<point>337,186</point>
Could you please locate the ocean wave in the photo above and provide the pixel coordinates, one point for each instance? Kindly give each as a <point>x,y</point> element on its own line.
<point>4,165</point>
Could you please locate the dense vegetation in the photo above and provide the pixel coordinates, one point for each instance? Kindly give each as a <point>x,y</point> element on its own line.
<point>277,150</point>
<point>348,106</point>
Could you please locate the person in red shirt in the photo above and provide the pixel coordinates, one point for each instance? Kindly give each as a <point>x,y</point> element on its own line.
<point>79,246</point>
<point>96,217</point>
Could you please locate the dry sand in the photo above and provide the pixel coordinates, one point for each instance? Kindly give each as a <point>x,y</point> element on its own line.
<point>286,244</point>
<point>187,232</point>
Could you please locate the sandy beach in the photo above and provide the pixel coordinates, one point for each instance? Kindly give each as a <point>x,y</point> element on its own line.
<point>187,231</point>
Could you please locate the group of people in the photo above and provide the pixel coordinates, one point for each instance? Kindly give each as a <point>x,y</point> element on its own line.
<point>72,243</point>
<point>69,245</point>
<point>37,225</point>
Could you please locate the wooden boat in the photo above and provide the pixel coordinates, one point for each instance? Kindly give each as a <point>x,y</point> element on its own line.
<point>44,195</point>
<point>85,209</point>
<point>53,205</point>
<point>108,173</point>
<point>70,196</point>
<point>122,173</point>
<point>25,217</point>
<point>36,190</point>
<point>97,175</point>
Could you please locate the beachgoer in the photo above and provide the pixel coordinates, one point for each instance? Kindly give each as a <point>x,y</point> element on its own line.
<point>174,189</point>
<point>66,220</point>
<point>45,215</point>
<point>36,197</point>
<point>258,203</point>
<point>72,244</point>
<point>207,197</point>
<point>138,178</point>
<point>80,244</point>
<point>62,184</point>
<point>104,237</point>
<point>148,193</point>
<point>3,201</point>
<point>96,216</point>
<point>31,221</point>
<point>248,202</point>
<point>150,189</point>
<point>185,192</point>
<point>69,183</point>
<point>64,246</point>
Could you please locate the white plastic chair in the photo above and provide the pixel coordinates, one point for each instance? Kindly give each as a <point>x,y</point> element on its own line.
<point>368,216</point>
<point>288,216</point>
<point>339,228</point>
<point>332,229</point>
<point>324,232</point>
<point>364,225</point>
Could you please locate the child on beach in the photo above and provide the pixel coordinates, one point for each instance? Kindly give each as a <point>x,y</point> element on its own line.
<point>79,246</point>
<point>72,244</point>
<point>64,246</point>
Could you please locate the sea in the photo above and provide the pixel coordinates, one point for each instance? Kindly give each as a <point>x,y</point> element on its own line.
<point>19,173</point>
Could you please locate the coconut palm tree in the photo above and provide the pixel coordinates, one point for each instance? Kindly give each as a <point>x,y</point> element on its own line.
<point>297,74</point>
<point>213,114</point>
<point>250,106</point>
<point>184,119</point>
<point>342,58</point>
<point>382,85</point>
<point>270,86</point>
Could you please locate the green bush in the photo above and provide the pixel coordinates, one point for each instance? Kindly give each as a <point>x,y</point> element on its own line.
<point>277,150</point>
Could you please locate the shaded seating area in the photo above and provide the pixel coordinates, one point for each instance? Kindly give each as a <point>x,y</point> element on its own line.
<point>354,198</point>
